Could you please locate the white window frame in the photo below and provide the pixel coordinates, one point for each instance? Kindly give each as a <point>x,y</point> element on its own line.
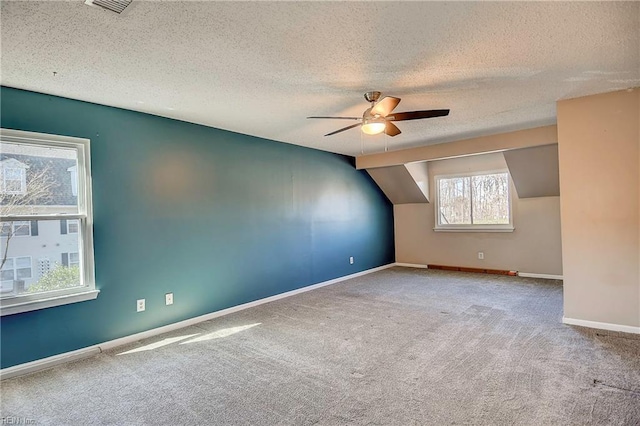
<point>13,228</point>
<point>23,180</point>
<point>470,227</point>
<point>29,302</point>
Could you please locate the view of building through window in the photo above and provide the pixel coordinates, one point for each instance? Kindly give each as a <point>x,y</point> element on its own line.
<point>473,200</point>
<point>42,254</point>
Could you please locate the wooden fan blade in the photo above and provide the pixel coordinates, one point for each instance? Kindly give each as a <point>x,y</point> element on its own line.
<point>385,106</point>
<point>416,115</point>
<point>341,118</point>
<point>343,129</point>
<point>392,129</point>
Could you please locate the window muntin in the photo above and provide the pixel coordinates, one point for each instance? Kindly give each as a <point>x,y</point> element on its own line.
<point>473,202</point>
<point>50,199</point>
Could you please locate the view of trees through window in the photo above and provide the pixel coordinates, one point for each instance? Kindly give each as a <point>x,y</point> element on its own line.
<point>474,200</point>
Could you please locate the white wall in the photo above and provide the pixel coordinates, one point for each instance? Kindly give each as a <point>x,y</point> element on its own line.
<point>599,153</point>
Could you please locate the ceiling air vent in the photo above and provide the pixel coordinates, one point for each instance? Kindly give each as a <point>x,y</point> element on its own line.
<point>116,6</point>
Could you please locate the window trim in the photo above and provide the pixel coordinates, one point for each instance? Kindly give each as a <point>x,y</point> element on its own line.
<point>470,227</point>
<point>30,302</point>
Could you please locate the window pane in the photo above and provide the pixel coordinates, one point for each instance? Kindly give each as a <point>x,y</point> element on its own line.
<point>13,178</point>
<point>28,260</point>
<point>455,201</point>
<point>8,264</point>
<point>15,229</point>
<point>490,199</point>
<point>23,262</point>
<point>13,174</point>
<point>13,186</point>
<point>44,171</point>
<point>72,226</point>
<point>21,229</point>
<point>23,273</point>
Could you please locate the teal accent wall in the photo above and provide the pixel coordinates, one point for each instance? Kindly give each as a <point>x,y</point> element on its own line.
<point>218,218</point>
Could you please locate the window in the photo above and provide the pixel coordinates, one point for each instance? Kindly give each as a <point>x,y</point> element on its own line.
<point>74,259</point>
<point>16,229</point>
<point>48,204</point>
<point>14,176</point>
<point>17,268</point>
<point>14,180</point>
<point>473,202</point>
<point>72,226</point>
<point>14,269</point>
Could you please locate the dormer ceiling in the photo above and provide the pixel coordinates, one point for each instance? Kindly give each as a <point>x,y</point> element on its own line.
<point>260,68</point>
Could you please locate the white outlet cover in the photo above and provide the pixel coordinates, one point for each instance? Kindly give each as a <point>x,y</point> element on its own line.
<point>351,260</point>
<point>168,298</point>
<point>140,305</point>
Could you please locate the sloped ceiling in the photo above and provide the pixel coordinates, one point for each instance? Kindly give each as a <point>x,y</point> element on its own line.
<point>535,171</point>
<point>260,68</point>
<point>403,184</point>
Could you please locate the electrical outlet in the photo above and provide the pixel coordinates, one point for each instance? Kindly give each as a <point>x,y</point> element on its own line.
<point>140,305</point>
<point>351,260</point>
<point>481,255</point>
<point>168,299</point>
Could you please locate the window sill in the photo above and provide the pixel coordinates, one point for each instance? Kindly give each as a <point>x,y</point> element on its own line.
<point>475,229</point>
<point>33,305</point>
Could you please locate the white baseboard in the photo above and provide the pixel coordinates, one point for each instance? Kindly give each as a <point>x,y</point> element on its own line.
<point>545,276</point>
<point>41,364</point>
<point>602,325</point>
<point>411,265</point>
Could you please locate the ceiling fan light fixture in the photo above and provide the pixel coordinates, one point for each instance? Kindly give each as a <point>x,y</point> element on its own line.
<point>374,126</point>
<point>380,117</point>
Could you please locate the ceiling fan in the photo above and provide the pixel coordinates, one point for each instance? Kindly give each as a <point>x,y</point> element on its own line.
<point>378,118</point>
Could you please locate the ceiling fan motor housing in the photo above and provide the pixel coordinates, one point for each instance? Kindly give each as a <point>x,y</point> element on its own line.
<point>372,96</point>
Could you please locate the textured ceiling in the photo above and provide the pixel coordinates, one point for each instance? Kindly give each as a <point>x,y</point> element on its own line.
<point>260,68</point>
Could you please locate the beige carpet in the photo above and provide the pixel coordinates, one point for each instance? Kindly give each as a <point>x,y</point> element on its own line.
<point>401,347</point>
